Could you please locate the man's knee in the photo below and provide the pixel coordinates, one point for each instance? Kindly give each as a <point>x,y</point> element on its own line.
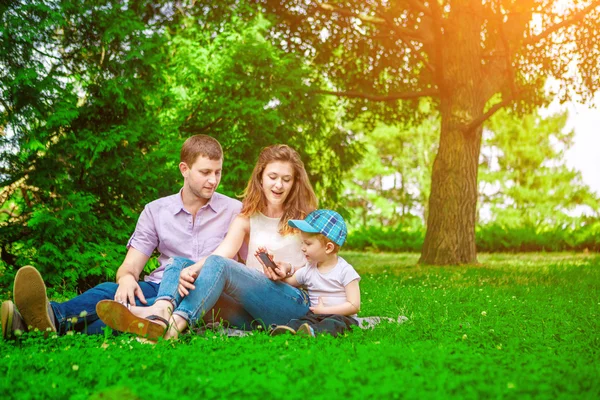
<point>178,263</point>
<point>106,289</point>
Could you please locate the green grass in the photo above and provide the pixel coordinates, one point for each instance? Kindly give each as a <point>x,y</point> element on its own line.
<point>539,338</point>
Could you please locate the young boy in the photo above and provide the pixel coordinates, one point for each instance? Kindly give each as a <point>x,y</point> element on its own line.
<point>332,283</point>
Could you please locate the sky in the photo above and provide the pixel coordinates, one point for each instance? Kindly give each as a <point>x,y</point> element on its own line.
<point>584,155</point>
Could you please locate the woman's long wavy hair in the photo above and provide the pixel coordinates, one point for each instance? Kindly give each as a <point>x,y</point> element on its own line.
<point>300,201</point>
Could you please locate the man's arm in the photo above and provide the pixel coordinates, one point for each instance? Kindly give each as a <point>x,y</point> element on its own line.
<point>128,275</point>
<point>350,307</point>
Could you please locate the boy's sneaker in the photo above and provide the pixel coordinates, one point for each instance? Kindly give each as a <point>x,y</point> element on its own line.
<point>281,330</point>
<point>11,320</point>
<point>31,300</point>
<point>306,330</point>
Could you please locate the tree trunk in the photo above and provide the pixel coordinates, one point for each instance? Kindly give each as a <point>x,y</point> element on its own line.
<point>450,237</point>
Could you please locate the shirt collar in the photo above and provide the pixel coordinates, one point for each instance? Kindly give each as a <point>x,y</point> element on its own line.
<point>214,203</point>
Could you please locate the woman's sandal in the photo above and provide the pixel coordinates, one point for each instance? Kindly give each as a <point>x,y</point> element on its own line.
<point>119,317</point>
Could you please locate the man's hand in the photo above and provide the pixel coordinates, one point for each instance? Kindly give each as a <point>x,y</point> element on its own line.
<point>187,277</point>
<point>128,290</point>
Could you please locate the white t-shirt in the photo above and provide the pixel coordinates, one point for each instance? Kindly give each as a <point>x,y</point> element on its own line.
<point>329,286</point>
<point>264,231</point>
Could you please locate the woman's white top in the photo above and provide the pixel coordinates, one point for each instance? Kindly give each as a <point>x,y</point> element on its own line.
<point>264,232</point>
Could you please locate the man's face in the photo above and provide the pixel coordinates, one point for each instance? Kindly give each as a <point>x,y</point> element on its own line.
<point>203,177</point>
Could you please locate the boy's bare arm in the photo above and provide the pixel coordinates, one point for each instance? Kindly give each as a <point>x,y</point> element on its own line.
<point>292,281</point>
<point>350,307</point>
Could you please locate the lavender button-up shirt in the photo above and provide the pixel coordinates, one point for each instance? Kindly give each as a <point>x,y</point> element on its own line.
<point>165,225</point>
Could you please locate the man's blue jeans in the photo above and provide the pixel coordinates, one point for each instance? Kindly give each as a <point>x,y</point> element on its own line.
<point>260,299</point>
<point>85,304</point>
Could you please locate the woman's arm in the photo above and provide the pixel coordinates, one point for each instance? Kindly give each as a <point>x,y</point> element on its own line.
<point>350,307</point>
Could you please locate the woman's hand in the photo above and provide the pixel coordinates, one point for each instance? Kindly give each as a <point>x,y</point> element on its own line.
<point>187,277</point>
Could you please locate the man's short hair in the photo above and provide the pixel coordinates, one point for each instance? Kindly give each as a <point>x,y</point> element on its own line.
<point>200,145</point>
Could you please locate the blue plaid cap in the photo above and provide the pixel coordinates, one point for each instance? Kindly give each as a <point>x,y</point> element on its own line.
<point>326,222</point>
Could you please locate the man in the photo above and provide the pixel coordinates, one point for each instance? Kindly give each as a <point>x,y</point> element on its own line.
<point>188,224</point>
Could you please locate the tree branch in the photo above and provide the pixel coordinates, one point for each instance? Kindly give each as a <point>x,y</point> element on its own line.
<point>377,97</point>
<point>420,6</point>
<point>488,114</point>
<point>9,212</point>
<point>576,17</point>
<point>410,33</point>
<point>408,44</point>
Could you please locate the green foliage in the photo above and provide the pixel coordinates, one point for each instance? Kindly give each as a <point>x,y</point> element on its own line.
<point>523,178</point>
<point>516,326</point>
<point>495,237</point>
<point>522,158</point>
<point>583,235</point>
<point>94,123</point>
<point>385,238</point>
<point>391,184</point>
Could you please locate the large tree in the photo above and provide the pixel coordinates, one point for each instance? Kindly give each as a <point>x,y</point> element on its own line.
<point>471,57</point>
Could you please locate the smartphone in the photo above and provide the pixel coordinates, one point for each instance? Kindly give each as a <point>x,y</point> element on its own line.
<point>266,260</point>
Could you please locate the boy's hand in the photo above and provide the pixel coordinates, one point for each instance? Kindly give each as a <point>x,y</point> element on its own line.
<point>319,308</point>
<point>273,274</point>
<point>187,277</point>
<point>128,289</point>
<point>278,273</point>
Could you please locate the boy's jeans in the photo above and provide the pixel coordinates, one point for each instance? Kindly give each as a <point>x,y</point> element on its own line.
<point>64,313</point>
<point>261,299</point>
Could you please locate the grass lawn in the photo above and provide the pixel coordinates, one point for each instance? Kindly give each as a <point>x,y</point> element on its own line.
<point>516,326</point>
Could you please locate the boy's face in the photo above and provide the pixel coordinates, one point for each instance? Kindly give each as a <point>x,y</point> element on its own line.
<point>313,249</point>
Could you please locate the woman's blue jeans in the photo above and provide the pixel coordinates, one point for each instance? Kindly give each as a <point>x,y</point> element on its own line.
<point>249,295</point>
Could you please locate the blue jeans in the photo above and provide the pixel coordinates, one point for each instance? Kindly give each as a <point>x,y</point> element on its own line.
<point>226,308</point>
<point>90,323</point>
<point>263,300</point>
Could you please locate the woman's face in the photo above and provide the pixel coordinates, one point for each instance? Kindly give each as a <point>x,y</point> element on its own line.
<point>277,181</point>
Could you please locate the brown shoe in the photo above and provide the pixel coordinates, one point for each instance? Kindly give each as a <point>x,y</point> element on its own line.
<point>306,330</point>
<point>120,318</point>
<point>11,320</point>
<point>281,330</point>
<point>31,300</point>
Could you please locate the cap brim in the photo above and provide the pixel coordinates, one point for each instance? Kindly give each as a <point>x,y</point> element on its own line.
<point>302,225</point>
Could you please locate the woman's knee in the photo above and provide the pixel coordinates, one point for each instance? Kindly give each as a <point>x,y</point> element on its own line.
<point>214,261</point>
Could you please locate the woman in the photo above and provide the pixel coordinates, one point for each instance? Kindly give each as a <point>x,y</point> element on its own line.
<point>278,191</point>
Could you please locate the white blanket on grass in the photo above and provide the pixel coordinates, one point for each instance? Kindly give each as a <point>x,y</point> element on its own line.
<point>363,323</point>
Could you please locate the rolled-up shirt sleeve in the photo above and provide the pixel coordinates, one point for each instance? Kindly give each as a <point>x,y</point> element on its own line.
<point>144,238</point>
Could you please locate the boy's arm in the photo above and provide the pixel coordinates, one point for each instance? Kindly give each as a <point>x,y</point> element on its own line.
<point>350,307</point>
<point>292,281</point>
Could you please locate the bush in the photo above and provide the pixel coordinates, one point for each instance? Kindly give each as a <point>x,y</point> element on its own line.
<point>493,237</point>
